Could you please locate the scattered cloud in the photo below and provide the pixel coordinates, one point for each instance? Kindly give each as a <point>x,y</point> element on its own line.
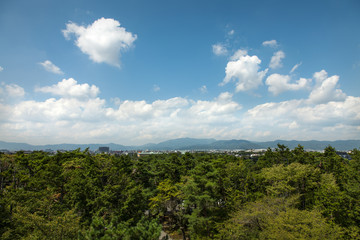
<point>231,32</point>
<point>270,43</point>
<point>326,89</point>
<point>50,67</point>
<point>219,49</point>
<point>295,67</point>
<point>244,70</point>
<point>156,88</point>
<point>104,40</point>
<point>69,88</point>
<point>1,68</point>
<point>203,89</point>
<point>327,112</point>
<point>276,60</point>
<point>280,83</point>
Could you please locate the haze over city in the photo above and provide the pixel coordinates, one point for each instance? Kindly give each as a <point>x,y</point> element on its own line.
<point>134,72</point>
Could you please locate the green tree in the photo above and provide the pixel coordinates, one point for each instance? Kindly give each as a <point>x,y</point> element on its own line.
<point>203,196</point>
<point>30,225</point>
<point>328,197</point>
<point>299,224</point>
<point>296,178</point>
<point>276,218</point>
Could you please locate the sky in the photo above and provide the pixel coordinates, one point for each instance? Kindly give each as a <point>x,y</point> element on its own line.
<point>136,72</point>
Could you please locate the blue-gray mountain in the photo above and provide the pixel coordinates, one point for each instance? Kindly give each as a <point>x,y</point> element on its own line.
<point>193,144</point>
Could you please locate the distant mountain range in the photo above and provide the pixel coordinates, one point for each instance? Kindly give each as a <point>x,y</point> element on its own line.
<point>192,144</point>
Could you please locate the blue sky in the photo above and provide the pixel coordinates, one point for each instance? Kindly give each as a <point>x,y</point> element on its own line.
<point>133,72</point>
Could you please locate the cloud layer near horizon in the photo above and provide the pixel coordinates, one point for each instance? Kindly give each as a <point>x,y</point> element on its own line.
<point>75,113</point>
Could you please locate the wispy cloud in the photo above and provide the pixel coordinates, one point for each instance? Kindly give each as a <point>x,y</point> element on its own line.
<point>50,67</point>
<point>219,49</point>
<point>295,67</point>
<point>156,88</point>
<point>270,43</point>
<point>276,60</point>
<point>203,89</point>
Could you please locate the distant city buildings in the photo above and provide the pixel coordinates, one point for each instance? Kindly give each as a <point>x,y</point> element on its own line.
<point>253,154</point>
<point>104,150</point>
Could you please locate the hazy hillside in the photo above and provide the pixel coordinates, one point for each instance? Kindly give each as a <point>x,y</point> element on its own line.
<point>341,145</point>
<point>181,143</point>
<point>192,144</point>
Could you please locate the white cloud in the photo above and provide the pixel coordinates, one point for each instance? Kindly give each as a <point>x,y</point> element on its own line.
<point>1,68</point>
<point>203,89</point>
<point>69,88</point>
<point>326,114</point>
<point>50,67</point>
<point>219,49</point>
<point>293,125</point>
<point>295,67</point>
<point>231,32</point>
<point>270,43</point>
<point>224,97</point>
<point>326,89</point>
<point>9,92</point>
<point>63,109</point>
<point>70,119</point>
<point>305,120</point>
<point>80,116</point>
<point>238,54</point>
<point>280,83</point>
<point>104,40</point>
<point>276,60</point>
<point>244,69</point>
<point>14,90</point>
<point>320,77</point>
<point>211,113</point>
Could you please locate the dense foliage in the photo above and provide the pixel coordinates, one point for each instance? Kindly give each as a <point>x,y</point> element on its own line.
<point>285,194</point>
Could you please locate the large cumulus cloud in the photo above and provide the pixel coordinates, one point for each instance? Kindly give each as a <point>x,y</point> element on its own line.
<point>244,70</point>
<point>104,40</point>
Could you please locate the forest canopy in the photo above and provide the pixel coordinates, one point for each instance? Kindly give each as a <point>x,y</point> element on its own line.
<point>284,194</point>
